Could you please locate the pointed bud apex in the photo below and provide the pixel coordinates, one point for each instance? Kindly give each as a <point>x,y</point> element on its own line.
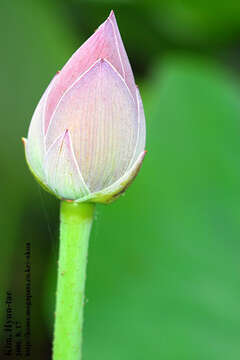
<point>87,136</point>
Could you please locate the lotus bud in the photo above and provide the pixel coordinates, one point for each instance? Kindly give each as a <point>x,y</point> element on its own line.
<point>87,135</point>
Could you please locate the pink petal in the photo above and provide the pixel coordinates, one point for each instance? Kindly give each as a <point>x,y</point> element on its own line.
<point>141,138</point>
<point>35,147</point>
<point>61,170</point>
<point>101,115</point>
<point>105,43</point>
<point>113,191</point>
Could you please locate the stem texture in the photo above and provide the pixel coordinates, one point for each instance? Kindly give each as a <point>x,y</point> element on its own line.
<point>75,226</point>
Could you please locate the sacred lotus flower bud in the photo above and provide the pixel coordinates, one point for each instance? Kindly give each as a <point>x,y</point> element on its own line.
<point>87,136</point>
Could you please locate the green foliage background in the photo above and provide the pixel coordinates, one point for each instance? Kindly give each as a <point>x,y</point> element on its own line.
<point>163,270</point>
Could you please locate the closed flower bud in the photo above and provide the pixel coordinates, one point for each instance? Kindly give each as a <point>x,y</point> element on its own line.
<point>87,136</point>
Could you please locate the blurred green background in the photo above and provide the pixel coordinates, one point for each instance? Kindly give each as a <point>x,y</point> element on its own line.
<point>164,261</point>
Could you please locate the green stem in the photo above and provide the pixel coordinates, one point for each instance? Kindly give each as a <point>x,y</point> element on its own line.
<point>75,226</point>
